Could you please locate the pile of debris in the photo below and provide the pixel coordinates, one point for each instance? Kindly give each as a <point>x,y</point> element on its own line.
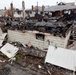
<point>55,28</point>
<point>17,58</point>
<point>30,50</point>
<point>26,60</point>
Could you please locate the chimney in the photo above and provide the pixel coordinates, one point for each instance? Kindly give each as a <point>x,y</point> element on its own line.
<point>12,13</point>
<point>43,8</point>
<point>23,9</point>
<point>37,7</point>
<point>32,8</point>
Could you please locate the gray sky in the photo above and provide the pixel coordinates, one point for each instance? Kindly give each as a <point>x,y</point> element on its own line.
<point>28,3</point>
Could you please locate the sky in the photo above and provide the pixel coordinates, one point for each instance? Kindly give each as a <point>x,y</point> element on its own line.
<point>29,3</point>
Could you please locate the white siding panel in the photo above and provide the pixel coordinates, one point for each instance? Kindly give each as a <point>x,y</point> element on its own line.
<point>61,57</point>
<point>30,38</point>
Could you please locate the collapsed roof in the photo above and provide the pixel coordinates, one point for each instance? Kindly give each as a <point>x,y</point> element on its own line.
<point>56,28</point>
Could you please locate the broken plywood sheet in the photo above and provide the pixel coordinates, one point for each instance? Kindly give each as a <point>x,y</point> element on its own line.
<point>9,50</point>
<point>61,57</point>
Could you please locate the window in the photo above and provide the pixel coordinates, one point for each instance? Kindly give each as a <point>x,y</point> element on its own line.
<point>40,37</point>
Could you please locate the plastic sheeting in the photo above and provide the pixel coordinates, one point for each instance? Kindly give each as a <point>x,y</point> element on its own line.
<point>61,57</point>
<point>9,50</point>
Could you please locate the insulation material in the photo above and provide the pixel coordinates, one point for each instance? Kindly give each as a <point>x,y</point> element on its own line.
<point>9,50</point>
<point>61,57</point>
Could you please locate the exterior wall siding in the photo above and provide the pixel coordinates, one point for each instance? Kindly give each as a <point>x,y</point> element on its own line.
<point>29,37</point>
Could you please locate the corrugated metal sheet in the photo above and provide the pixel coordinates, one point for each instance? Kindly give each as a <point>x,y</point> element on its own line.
<point>61,57</point>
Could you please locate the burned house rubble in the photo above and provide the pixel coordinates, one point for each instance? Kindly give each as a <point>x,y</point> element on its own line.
<point>38,42</point>
<point>32,39</point>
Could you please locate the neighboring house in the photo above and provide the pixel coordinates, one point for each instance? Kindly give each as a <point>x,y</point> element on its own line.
<point>61,9</point>
<point>6,13</point>
<point>28,13</point>
<point>18,13</point>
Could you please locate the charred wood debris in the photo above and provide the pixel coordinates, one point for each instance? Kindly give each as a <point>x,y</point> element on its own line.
<point>57,28</point>
<point>31,59</point>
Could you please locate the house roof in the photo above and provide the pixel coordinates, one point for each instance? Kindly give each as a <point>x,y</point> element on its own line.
<point>60,7</point>
<point>61,57</point>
